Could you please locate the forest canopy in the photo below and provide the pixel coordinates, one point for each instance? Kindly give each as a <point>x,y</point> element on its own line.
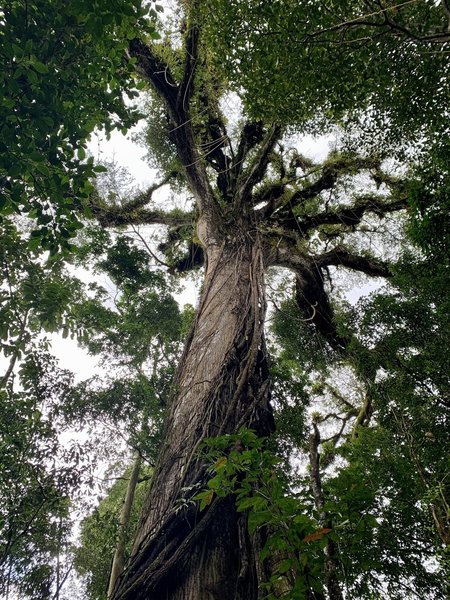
<point>288,436</point>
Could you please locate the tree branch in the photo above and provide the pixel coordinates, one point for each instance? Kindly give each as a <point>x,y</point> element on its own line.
<point>145,197</point>
<point>153,69</point>
<point>257,170</point>
<point>12,363</point>
<point>341,257</point>
<point>387,22</point>
<point>116,216</point>
<point>186,86</point>
<point>331,170</point>
<point>251,134</point>
<point>133,212</point>
<point>347,216</point>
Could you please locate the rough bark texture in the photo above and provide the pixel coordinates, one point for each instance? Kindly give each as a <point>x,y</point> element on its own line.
<point>222,383</point>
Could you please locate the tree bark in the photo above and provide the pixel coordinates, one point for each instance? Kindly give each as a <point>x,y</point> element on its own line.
<point>222,384</point>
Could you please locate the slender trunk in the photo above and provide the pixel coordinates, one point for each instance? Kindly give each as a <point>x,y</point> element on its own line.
<point>331,579</point>
<point>119,554</point>
<point>58,562</point>
<point>222,384</point>
<point>13,360</point>
<point>439,508</point>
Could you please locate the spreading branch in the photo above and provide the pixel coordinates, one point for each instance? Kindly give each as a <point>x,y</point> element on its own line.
<point>311,295</point>
<point>122,216</point>
<point>157,72</point>
<point>134,211</point>
<point>341,257</point>
<point>146,197</point>
<point>281,208</point>
<point>331,171</point>
<point>352,215</point>
<point>176,99</point>
<point>345,217</point>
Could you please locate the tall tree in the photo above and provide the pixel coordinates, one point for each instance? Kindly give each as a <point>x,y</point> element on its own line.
<point>258,204</point>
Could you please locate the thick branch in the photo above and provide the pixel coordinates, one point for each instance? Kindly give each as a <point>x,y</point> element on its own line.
<point>158,74</point>
<point>156,71</point>
<point>311,295</point>
<point>133,212</point>
<point>346,217</point>
<point>313,301</point>
<point>331,170</point>
<point>352,215</point>
<point>145,197</point>
<point>186,86</point>
<point>341,257</point>
<point>117,216</point>
<point>252,134</point>
<point>270,195</point>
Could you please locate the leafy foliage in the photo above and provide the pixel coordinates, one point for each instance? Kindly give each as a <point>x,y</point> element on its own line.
<point>335,59</point>
<point>63,73</point>
<point>38,477</point>
<point>243,465</point>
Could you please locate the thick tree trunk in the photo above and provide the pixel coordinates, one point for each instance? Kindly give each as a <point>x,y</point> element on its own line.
<point>222,384</point>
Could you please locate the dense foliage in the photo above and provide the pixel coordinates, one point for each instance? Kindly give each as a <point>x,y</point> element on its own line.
<point>63,74</point>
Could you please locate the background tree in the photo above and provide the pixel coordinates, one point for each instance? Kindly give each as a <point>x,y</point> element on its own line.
<point>39,476</point>
<point>99,533</point>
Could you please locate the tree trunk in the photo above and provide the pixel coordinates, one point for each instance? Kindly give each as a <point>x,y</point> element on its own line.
<point>222,384</point>
<point>331,559</point>
<point>119,554</point>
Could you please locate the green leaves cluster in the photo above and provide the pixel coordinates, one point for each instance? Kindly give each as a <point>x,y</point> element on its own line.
<point>306,63</point>
<point>242,465</point>
<point>35,294</point>
<point>63,73</point>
